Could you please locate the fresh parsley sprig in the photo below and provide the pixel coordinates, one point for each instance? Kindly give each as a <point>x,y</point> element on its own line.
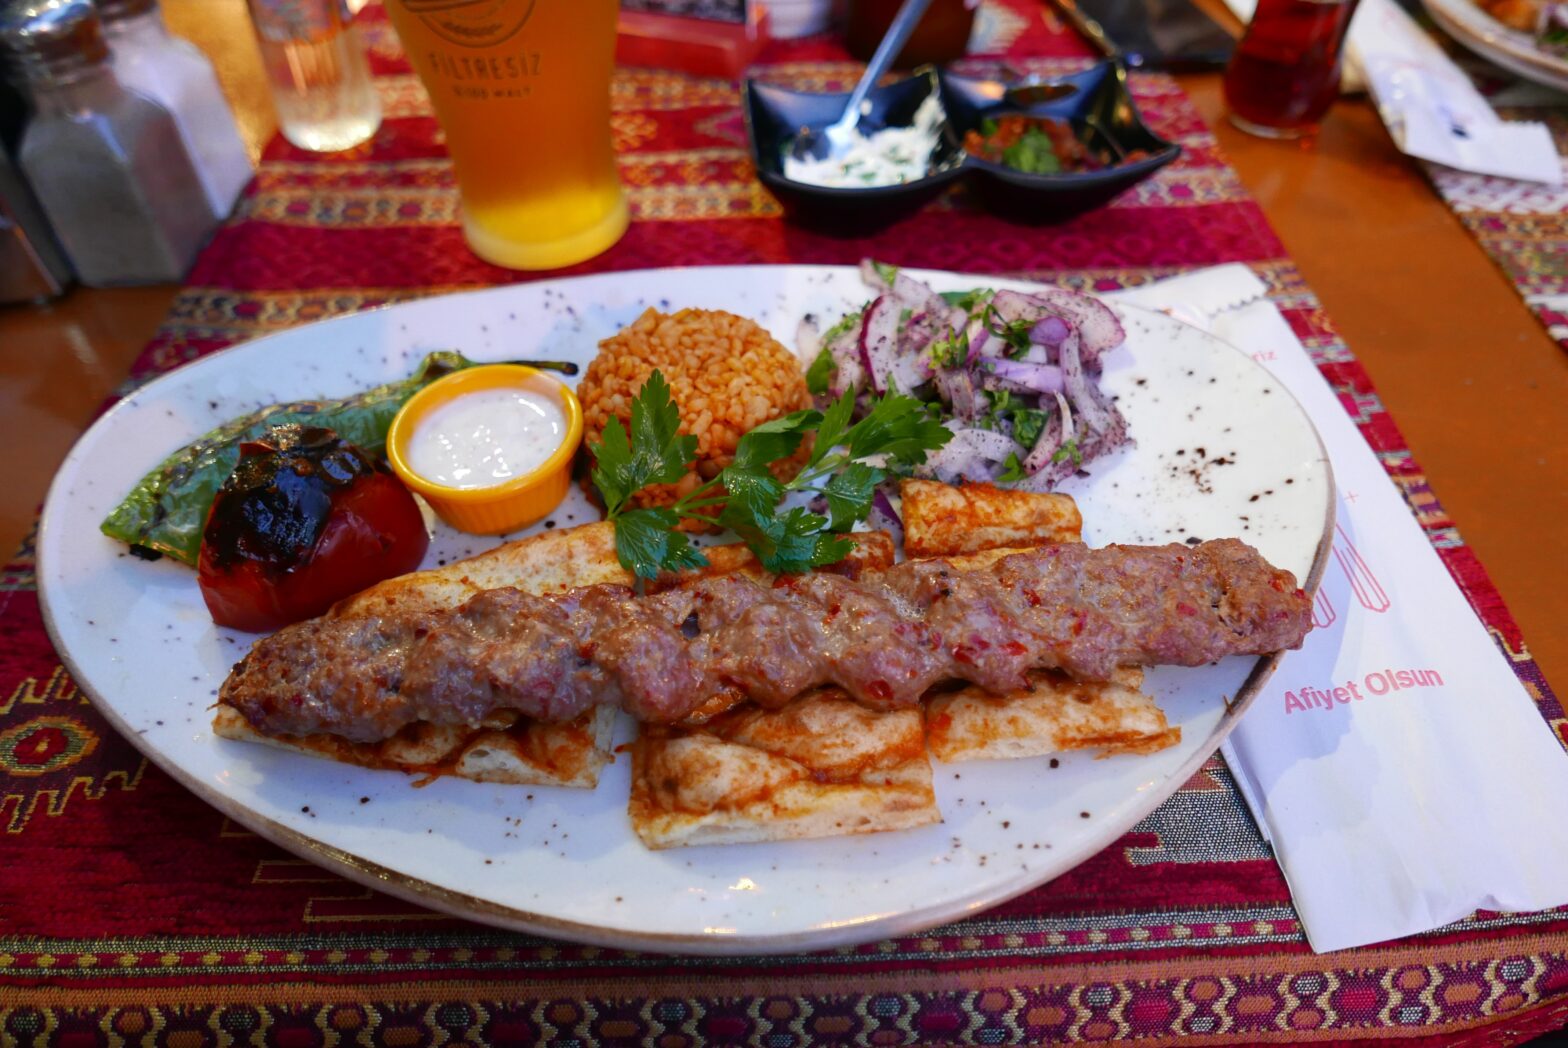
<point>952,350</point>
<point>1013,332</point>
<point>654,453</point>
<point>846,463</point>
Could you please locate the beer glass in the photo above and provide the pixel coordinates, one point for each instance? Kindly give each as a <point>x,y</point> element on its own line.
<point>522,90</point>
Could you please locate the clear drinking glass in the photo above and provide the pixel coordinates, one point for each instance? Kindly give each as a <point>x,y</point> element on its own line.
<point>1285,72</point>
<point>315,63</point>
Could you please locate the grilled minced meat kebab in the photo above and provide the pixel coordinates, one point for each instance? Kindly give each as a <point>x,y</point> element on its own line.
<point>885,637</point>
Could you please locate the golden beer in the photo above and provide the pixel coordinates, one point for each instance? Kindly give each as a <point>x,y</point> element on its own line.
<point>522,90</point>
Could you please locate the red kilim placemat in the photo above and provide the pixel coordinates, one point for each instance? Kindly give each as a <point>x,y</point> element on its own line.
<point>132,913</point>
<point>1522,226</point>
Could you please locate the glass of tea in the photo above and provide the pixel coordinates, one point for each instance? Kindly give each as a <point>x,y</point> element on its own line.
<point>522,91</point>
<point>1285,71</point>
<point>941,35</point>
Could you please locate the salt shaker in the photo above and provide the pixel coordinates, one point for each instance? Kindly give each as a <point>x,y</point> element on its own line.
<point>108,164</point>
<point>173,73</point>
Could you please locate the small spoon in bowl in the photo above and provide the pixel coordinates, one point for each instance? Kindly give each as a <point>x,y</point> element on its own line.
<point>835,139</point>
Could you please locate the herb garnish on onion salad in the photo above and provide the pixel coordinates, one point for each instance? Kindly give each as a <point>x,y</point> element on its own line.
<point>1014,374</point>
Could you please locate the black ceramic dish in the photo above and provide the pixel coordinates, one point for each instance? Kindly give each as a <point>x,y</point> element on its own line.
<point>775,115</point>
<point>1101,111</point>
<point>1100,107</point>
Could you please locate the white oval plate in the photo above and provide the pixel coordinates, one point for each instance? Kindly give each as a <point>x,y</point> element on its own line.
<point>1513,49</point>
<point>562,862</point>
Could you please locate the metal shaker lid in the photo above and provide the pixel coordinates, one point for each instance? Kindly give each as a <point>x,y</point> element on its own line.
<point>44,40</point>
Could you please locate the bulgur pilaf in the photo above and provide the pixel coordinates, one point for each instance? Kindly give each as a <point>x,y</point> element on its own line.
<point>726,374</point>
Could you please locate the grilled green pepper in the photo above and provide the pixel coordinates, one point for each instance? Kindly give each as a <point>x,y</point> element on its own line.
<point>167,510</point>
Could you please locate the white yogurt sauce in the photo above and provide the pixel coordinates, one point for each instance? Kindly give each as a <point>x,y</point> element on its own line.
<point>891,156</point>
<point>483,438</point>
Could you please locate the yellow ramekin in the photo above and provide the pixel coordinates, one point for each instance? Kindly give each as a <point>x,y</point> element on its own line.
<point>513,503</point>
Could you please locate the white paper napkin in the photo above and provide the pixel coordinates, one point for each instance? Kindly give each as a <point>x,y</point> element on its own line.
<point>1434,112</point>
<point>1430,107</point>
<point>1396,763</point>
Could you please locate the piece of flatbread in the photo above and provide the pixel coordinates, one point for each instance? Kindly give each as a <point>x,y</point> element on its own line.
<point>941,520</point>
<point>512,750</point>
<point>527,753</point>
<point>1057,715</point>
<point>971,527</point>
<point>821,766</point>
<point>549,562</point>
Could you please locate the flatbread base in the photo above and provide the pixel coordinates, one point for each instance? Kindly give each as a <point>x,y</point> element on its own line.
<point>529,753</point>
<point>1056,715</point>
<point>972,526</point>
<point>821,766</point>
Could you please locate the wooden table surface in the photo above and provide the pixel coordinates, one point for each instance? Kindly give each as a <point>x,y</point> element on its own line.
<point>1476,385</point>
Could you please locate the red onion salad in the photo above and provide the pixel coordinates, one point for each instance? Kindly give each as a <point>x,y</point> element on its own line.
<point>1015,374</point>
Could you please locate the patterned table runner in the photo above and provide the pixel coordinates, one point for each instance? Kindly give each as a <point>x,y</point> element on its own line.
<point>130,912</point>
<point>1523,226</point>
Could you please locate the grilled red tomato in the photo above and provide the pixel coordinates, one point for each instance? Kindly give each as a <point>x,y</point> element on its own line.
<point>305,519</point>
